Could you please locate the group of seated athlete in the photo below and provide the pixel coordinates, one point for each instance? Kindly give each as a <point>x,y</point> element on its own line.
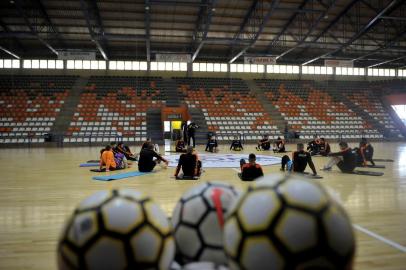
<point>115,156</point>
<point>211,146</point>
<point>265,144</point>
<point>319,146</point>
<point>347,159</point>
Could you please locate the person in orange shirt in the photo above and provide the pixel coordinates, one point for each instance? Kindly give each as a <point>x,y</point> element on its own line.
<point>107,159</point>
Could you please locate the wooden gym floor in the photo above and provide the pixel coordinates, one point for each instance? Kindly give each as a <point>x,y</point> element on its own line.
<point>41,186</point>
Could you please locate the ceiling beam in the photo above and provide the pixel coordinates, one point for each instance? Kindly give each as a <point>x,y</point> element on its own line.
<point>23,14</point>
<point>364,29</point>
<point>265,20</point>
<point>313,26</point>
<point>47,19</point>
<point>286,26</point>
<point>203,25</point>
<point>387,61</point>
<point>92,16</point>
<point>147,23</point>
<point>178,3</point>
<point>9,52</point>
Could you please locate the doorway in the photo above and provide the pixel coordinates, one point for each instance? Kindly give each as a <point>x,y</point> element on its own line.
<point>172,130</point>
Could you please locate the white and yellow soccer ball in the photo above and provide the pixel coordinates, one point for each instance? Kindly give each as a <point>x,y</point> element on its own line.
<point>117,229</point>
<point>288,222</point>
<point>198,220</point>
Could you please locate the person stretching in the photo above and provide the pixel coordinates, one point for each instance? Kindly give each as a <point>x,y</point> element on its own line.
<point>190,164</point>
<point>236,144</point>
<point>279,146</point>
<point>300,159</point>
<point>211,145</point>
<point>107,159</point>
<point>148,159</point>
<point>264,143</point>
<point>345,159</point>
<point>180,146</point>
<point>251,170</point>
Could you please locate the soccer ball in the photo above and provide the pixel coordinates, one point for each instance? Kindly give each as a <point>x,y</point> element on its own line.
<point>198,221</point>
<point>288,222</point>
<point>203,266</point>
<point>118,229</point>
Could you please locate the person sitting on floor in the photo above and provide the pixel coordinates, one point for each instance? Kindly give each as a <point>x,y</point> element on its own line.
<point>180,146</point>
<point>314,146</point>
<point>190,164</point>
<point>264,143</point>
<point>149,141</point>
<point>279,146</point>
<point>251,170</point>
<point>148,159</point>
<point>236,144</point>
<point>366,152</point>
<point>211,145</point>
<point>300,159</point>
<point>124,149</point>
<point>324,147</point>
<point>345,159</point>
<point>107,159</point>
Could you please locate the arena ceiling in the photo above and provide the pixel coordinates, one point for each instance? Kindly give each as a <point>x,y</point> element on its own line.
<point>372,32</point>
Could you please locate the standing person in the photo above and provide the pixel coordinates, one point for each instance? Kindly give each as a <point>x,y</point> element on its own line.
<point>191,133</point>
<point>345,159</point>
<point>236,144</point>
<point>184,128</point>
<point>251,170</point>
<point>300,159</point>
<point>148,159</point>
<point>264,143</point>
<point>107,159</point>
<point>211,145</point>
<point>190,165</point>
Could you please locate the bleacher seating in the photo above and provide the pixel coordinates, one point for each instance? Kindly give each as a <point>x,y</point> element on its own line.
<point>115,108</point>
<point>228,106</point>
<point>29,106</point>
<point>364,95</point>
<point>311,110</point>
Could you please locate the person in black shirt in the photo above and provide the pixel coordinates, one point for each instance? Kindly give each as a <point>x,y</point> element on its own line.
<point>251,170</point>
<point>211,145</point>
<point>180,146</point>
<point>264,143</point>
<point>300,159</point>
<point>123,149</point>
<point>366,153</point>
<point>190,165</point>
<point>324,147</point>
<point>279,146</point>
<point>184,128</point>
<point>314,146</point>
<point>148,159</point>
<point>236,144</point>
<point>345,160</point>
<point>191,130</point>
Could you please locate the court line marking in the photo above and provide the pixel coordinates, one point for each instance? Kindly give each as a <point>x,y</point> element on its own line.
<point>380,238</point>
<point>234,169</point>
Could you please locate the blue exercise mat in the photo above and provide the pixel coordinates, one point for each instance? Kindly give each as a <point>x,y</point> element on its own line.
<point>89,164</point>
<point>118,176</point>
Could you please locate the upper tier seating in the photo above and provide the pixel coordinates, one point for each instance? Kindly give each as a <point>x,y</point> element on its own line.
<point>29,106</point>
<point>313,111</point>
<point>228,107</point>
<point>367,98</point>
<point>115,108</point>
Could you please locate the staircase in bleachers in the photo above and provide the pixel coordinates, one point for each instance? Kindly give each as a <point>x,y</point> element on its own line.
<point>29,106</point>
<point>229,108</point>
<point>115,108</point>
<point>171,91</point>
<point>154,125</point>
<point>68,109</point>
